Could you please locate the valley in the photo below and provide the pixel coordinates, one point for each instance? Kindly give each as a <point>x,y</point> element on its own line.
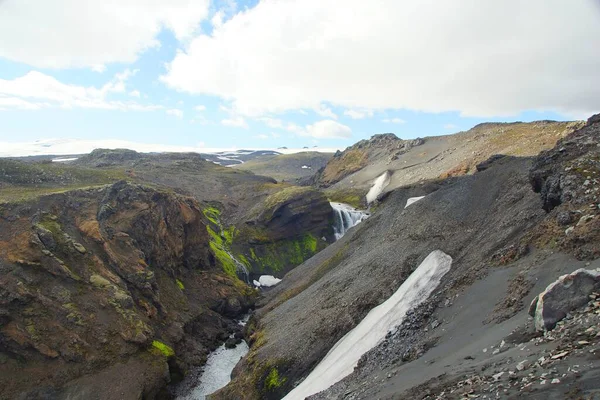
<point>395,269</point>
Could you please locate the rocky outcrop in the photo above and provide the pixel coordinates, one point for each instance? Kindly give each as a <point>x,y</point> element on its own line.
<point>561,297</point>
<point>378,147</point>
<point>114,285</point>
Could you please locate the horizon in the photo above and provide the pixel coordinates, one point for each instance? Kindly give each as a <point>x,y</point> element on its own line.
<point>228,74</point>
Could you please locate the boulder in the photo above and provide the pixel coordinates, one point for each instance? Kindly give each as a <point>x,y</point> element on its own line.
<point>566,294</point>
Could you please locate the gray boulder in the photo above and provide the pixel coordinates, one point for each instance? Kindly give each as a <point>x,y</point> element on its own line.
<point>566,294</point>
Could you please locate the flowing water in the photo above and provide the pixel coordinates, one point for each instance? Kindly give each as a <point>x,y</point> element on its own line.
<point>343,357</point>
<point>217,370</point>
<point>345,217</point>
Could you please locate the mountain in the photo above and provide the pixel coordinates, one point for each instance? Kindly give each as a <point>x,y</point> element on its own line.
<point>510,231</point>
<point>287,167</point>
<point>474,273</point>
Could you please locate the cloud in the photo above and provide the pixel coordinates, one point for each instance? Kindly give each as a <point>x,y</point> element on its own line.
<point>393,121</point>
<point>100,68</point>
<point>358,114</point>
<point>261,137</point>
<point>486,60</point>
<point>273,122</point>
<point>327,129</point>
<point>36,90</point>
<point>200,108</point>
<point>450,126</point>
<point>236,122</point>
<point>135,93</point>
<point>175,112</point>
<point>90,33</point>
<point>326,112</point>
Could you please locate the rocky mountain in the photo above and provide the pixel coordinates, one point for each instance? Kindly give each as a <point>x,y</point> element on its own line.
<point>476,271</point>
<point>350,174</point>
<point>511,229</point>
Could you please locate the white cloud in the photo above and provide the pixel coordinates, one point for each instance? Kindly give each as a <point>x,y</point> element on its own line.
<point>99,68</point>
<point>393,121</point>
<point>358,114</point>
<point>261,137</point>
<point>236,122</point>
<point>488,59</point>
<point>175,112</point>
<point>273,122</point>
<point>326,112</point>
<point>450,126</point>
<point>327,129</point>
<point>135,93</point>
<point>36,90</point>
<point>90,33</point>
<point>200,108</point>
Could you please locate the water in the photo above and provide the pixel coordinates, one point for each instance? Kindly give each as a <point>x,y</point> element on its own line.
<point>240,267</point>
<point>343,357</point>
<point>345,217</point>
<point>217,371</point>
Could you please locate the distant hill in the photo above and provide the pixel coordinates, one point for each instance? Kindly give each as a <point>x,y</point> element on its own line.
<point>287,167</point>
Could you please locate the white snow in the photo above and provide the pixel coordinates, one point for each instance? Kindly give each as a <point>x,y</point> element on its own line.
<point>266,281</point>
<point>345,217</point>
<point>378,185</point>
<point>305,167</point>
<point>67,146</point>
<point>217,371</point>
<point>343,357</point>
<point>64,159</point>
<point>412,200</point>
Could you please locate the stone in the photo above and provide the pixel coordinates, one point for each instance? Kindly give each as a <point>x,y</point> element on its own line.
<point>99,282</point>
<point>230,343</point>
<point>569,230</point>
<point>46,237</point>
<point>564,218</point>
<point>523,365</point>
<point>566,294</point>
<point>79,247</point>
<point>585,219</point>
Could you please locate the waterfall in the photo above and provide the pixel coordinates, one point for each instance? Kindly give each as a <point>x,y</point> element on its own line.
<point>345,217</point>
<point>241,269</point>
<point>344,356</point>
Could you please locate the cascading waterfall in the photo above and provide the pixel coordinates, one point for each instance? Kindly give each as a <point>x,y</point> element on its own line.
<point>241,269</point>
<point>345,217</point>
<point>344,356</point>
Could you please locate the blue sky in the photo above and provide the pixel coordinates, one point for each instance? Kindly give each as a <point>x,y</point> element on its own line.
<point>246,74</point>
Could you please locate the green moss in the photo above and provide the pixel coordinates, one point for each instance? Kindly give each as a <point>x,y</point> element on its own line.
<point>212,214</point>
<point>228,234</point>
<point>163,348</point>
<point>354,197</point>
<point>273,380</point>
<point>220,241</point>
<point>279,255</point>
<point>180,284</point>
<point>224,259</point>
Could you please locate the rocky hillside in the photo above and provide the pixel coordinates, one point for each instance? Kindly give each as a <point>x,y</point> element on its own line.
<point>511,230</point>
<point>287,167</point>
<point>351,173</point>
<point>121,271</point>
<point>109,290</point>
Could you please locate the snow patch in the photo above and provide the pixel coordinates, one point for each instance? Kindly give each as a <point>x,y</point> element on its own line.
<point>412,200</point>
<point>344,356</point>
<point>305,167</point>
<point>378,185</point>
<point>266,281</point>
<point>64,159</point>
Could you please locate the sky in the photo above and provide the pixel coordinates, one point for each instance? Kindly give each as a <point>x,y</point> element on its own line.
<point>271,73</point>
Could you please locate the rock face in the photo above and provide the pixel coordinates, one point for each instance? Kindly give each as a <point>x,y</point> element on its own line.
<point>356,157</point>
<point>564,295</point>
<point>93,280</point>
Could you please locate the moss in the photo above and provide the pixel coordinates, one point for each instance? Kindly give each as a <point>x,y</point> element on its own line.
<point>273,380</point>
<point>167,351</point>
<point>278,256</point>
<point>281,197</point>
<point>180,284</point>
<point>220,242</point>
<point>354,197</point>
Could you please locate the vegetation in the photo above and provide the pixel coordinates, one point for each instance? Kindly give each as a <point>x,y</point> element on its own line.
<point>273,381</point>
<point>166,350</point>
